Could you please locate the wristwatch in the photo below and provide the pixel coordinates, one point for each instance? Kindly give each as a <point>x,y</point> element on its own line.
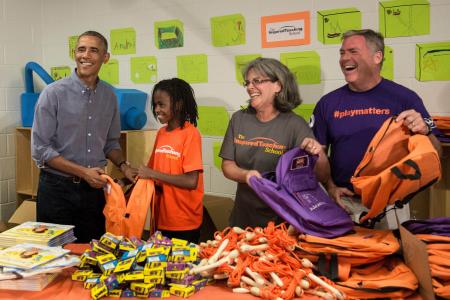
<point>430,128</point>
<point>124,162</point>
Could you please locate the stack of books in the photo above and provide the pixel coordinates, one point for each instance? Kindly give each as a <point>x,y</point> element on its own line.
<point>37,233</point>
<point>35,283</point>
<point>31,267</point>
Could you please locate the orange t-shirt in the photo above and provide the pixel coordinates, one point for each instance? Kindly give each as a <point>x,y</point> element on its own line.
<point>176,152</point>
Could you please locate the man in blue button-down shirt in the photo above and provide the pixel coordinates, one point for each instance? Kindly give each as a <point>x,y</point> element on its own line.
<point>76,128</point>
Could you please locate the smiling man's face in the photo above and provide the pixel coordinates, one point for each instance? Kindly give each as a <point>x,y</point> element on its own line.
<point>360,65</point>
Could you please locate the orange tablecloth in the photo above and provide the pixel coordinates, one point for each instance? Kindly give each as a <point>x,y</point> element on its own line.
<point>63,288</point>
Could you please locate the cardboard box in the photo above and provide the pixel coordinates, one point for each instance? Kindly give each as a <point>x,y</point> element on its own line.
<point>25,212</point>
<point>219,209</point>
<point>416,258</point>
<point>216,212</point>
<point>5,226</point>
<point>333,23</point>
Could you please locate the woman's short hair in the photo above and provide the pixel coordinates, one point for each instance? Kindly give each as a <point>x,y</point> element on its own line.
<point>289,97</point>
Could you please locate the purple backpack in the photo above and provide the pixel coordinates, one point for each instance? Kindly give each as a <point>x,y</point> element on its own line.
<point>435,226</point>
<point>296,196</point>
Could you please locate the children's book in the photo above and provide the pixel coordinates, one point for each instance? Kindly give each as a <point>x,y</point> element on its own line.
<point>35,283</point>
<point>29,256</point>
<point>39,233</point>
<point>54,266</point>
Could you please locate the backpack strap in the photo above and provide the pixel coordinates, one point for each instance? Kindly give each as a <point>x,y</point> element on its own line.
<point>334,267</point>
<point>370,223</point>
<point>328,268</point>
<point>400,203</point>
<point>396,171</point>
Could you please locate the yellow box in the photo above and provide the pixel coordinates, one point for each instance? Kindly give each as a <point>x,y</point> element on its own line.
<point>91,282</point>
<point>116,293</point>
<point>142,287</point>
<point>100,248</point>
<point>81,275</point>
<point>103,259</point>
<point>99,291</point>
<point>177,274</point>
<point>135,275</point>
<point>125,265</point>
<point>155,264</point>
<point>155,279</point>
<point>153,271</point>
<point>182,290</point>
<point>141,256</point>
<point>110,240</point>
<point>88,258</point>
<point>158,250</point>
<point>179,242</point>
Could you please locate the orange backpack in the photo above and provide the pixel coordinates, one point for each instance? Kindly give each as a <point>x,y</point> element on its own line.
<point>441,289</point>
<point>128,218</point>
<point>390,278</point>
<point>442,123</point>
<point>438,248</point>
<point>355,249</point>
<point>396,166</point>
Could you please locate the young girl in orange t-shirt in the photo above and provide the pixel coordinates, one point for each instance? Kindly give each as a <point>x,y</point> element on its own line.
<point>176,161</point>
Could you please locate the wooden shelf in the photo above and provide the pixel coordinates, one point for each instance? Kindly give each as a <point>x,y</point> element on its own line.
<point>27,174</point>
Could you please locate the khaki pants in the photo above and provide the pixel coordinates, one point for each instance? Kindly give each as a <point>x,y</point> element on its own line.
<point>388,222</point>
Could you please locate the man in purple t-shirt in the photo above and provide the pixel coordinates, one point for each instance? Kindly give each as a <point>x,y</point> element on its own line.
<point>347,119</point>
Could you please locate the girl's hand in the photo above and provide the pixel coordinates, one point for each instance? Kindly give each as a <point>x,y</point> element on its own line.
<point>145,173</point>
<point>130,173</point>
<point>311,145</point>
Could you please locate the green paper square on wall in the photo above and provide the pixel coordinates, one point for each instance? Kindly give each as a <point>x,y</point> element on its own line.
<point>333,23</point>
<point>169,34</point>
<point>193,68</point>
<point>123,41</point>
<point>387,70</point>
<point>109,72</point>
<point>143,69</point>
<point>305,110</point>
<point>304,65</point>
<point>212,120</point>
<point>60,72</point>
<point>228,30</point>
<point>217,159</point>
<point>241,61</point>
<point>433,61</point>
<point>72,45</point>
<point>404,18</point>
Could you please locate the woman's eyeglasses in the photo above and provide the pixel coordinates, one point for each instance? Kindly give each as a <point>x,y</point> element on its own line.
<point>256,82</point>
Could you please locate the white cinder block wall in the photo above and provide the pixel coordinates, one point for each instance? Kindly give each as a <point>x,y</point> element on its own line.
<point>20,41</point>
<point>42,30</point>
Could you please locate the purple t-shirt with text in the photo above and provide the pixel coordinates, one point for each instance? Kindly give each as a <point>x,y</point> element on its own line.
<point>347,121</point>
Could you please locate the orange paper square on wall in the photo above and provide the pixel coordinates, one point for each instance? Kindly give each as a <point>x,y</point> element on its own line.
<point>291,29</point>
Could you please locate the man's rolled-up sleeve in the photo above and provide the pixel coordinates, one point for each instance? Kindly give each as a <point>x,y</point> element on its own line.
<point>112,140</point>
<point>44,129</point>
